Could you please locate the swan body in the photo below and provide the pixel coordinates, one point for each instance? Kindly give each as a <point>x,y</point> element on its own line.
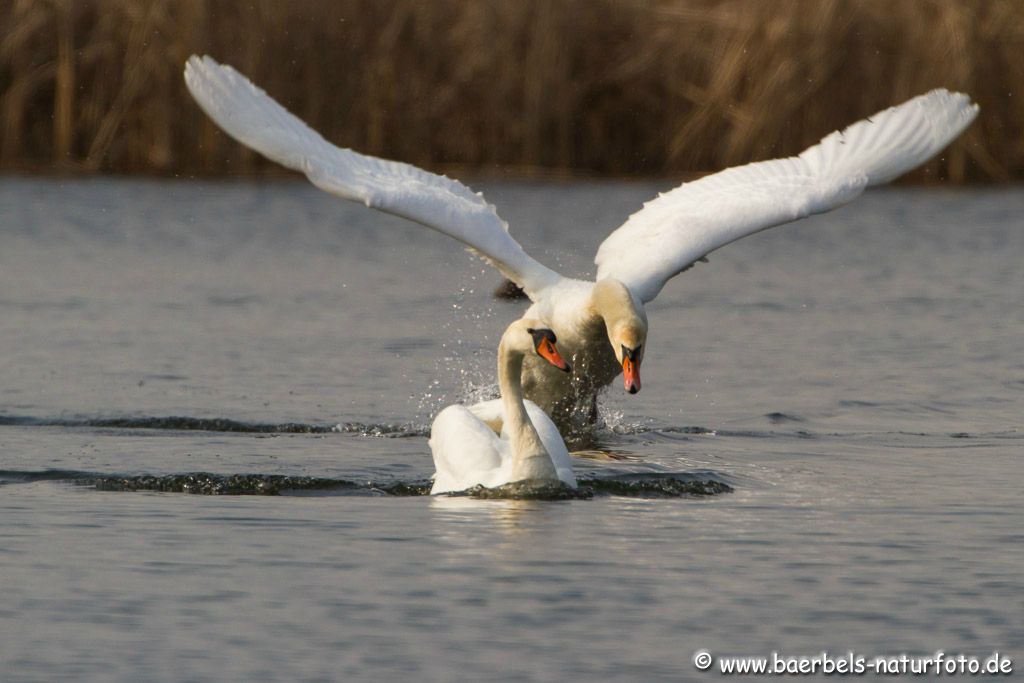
<point>602,324</point>
<point>505,440</point>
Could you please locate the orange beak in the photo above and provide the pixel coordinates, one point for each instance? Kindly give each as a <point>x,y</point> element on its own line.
<point>549,353</point>
<point>631,375</point>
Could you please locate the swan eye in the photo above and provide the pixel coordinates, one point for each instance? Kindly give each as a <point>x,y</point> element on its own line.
<point>541,336</point>
<point>544,345</point>
<point>630,354</point>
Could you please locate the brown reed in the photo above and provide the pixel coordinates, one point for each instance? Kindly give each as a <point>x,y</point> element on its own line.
<point>612,87</point>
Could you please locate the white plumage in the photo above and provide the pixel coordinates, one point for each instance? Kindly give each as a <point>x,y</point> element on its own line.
<point>508,439</point>
<point>469,451</point>
<point>597,328</point>
<point>253,118</point>
<point>679,227</point>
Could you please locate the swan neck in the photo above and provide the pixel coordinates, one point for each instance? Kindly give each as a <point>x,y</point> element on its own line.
<point>510,368</point>
<point>610,300</point>
<point>622,314</point>
<point>530,458</point>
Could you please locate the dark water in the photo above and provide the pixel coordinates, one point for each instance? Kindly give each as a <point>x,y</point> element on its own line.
<point>856,380</point>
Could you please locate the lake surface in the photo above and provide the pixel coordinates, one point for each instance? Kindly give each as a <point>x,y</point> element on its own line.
<point>857,379</point>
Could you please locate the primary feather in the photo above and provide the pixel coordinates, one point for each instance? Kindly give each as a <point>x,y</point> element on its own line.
<point>253,118</point>
<point>682,226</point>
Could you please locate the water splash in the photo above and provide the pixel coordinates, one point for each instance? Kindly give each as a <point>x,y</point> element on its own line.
<point>641,486</point>
<point>659,487</point>
<point>477,391</point>
<point>469,364</point>
<point>614,420</point>
<point>524,490</point>
<point>389,431</point>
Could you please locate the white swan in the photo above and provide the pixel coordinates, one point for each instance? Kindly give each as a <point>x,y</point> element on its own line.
<point>602,325</point>
<point>508,439</point>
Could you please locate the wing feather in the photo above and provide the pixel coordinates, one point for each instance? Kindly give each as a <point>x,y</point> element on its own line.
<point>670,233</point>
<point>465,451</point>
<point>253,118</point>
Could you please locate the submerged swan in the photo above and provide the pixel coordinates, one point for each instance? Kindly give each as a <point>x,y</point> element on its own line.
<point>508,439</point>
<point>602,325</point>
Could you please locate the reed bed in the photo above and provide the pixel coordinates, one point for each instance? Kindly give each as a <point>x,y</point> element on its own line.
<point>599,87</point>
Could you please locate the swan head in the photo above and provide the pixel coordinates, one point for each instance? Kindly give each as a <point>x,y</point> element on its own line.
<point>626,323</point>
<point>526,336</point>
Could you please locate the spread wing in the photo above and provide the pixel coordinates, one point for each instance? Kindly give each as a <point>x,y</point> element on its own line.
<point>682,226</point>
<point>253,118</point>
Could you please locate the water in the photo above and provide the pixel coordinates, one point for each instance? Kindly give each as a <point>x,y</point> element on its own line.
<point>856,379</point>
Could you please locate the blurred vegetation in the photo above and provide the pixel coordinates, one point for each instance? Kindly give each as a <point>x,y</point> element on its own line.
<point>616,87</point>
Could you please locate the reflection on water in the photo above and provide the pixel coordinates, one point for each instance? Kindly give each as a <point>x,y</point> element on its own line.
<point>506,514</point>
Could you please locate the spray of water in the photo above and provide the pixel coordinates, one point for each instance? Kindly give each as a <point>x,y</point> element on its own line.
<point>464,372</point>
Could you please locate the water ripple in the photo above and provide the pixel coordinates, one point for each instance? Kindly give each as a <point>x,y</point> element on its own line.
<point>216,424</point>
<point>637,485</point>
<point>398,430</point>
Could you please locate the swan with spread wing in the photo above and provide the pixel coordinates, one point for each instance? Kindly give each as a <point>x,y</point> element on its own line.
<point>601,325</point>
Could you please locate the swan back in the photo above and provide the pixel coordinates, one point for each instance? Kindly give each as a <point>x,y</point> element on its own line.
<point>467,452</point>
<point>471,446</point>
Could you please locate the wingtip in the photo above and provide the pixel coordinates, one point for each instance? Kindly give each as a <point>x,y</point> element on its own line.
<point>961,107</point>
<point>953,98</point>
<point>199,63</point>
<point>195,65</point>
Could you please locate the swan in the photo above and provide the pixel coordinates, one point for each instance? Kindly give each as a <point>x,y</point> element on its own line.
<point>507,439</point>
<point>602,324</point>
